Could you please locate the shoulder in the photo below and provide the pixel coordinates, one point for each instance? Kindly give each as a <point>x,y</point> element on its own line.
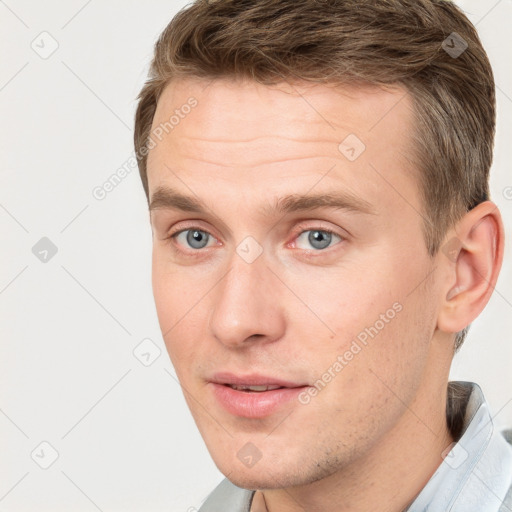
<point>227,497</point>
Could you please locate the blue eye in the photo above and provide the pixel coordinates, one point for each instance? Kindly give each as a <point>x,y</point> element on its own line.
<point>195,238</point>
<point>198,239</point>
<point>319,238</point>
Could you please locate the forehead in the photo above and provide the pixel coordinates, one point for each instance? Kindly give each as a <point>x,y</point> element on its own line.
<point>247,135</point>
<point>303,108</point>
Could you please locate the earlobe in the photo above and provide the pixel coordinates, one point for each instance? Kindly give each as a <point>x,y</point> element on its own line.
<point>472,260</point>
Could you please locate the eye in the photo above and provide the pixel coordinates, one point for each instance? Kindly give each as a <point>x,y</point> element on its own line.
<point>318,238</point>
<point>194,238</point>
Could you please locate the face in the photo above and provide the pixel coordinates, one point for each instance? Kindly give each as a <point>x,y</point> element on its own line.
<point>293,287</point>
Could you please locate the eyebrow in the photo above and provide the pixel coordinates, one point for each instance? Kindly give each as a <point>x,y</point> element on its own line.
<point>168,198</point>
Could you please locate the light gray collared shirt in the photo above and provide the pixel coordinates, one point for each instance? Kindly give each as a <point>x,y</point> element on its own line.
<point>475,475</point>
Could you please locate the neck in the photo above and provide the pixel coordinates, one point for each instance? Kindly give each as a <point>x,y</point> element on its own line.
<point>387,478</point>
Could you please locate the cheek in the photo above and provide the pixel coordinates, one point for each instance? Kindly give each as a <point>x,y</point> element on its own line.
<point>164,293</point>
<point>378,334</point>
<point>383,360</point>
<point>343,305</point>
<point>363,386</point>
<point>174,290</point>
<point>182,306</point>
<point>172,304</point>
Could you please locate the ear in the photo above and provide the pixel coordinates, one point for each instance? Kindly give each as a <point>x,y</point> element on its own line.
<point>472,258</point>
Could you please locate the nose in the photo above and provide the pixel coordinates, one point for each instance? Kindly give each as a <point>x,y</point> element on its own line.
<point>247,306</point>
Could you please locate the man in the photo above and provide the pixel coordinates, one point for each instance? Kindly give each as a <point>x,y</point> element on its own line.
<point>317,179</point>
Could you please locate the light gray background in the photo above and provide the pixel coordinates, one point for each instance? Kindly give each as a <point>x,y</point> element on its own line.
<point>68,328</point>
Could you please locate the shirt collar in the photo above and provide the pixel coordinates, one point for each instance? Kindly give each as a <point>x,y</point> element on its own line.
<point>476,471</point>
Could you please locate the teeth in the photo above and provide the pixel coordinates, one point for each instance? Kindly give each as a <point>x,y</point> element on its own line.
<point>253,388</point>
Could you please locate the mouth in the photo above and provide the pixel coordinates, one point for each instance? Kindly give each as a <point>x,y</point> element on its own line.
<point>254,396</point>
<point>253,389</point>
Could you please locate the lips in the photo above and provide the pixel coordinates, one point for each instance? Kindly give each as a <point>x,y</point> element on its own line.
<point>253,389</point>
<point>253,396</point>
<point>253,379</point>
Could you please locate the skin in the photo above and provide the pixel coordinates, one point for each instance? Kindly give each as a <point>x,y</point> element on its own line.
<point>290,313</point>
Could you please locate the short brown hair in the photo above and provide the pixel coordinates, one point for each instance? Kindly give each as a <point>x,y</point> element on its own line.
<point>420,44</point>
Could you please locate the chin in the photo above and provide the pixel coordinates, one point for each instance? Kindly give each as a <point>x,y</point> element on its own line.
<point>260,481</point>
<point>271,475</point>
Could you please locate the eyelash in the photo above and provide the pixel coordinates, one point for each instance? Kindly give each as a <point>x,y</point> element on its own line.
<point>300,229</point>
